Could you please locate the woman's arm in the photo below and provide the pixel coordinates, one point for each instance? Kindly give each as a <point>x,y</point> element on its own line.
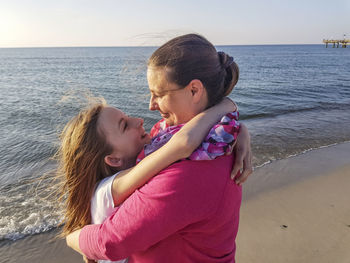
<point>180,146</point>
<point>243,156</point>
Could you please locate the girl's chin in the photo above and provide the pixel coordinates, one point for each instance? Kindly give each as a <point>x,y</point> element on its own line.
<point>147,139</point>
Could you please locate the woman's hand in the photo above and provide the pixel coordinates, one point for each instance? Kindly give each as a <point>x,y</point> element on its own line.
<point>86,260</point>
<point>72,241</point>
<point>243,156</point>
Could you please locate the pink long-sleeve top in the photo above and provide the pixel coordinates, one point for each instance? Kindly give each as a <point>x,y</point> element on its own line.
<point>189,212</point>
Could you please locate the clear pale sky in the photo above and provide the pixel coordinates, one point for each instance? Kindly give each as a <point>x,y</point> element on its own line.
<point>41,23</point>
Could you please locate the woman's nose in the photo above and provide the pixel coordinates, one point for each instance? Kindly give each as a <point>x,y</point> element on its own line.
<point>153,104</point>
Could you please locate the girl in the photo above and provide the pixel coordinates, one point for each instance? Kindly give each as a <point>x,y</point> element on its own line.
<point>100,145</point>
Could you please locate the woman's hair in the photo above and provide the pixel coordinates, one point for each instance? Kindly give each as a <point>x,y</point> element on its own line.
<point>81,165</point>
<point>191,57</point>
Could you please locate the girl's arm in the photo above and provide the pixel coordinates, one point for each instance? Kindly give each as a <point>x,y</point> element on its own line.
<point>180,146</point>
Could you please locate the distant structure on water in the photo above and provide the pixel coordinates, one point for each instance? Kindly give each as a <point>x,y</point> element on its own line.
<point>343,42</point>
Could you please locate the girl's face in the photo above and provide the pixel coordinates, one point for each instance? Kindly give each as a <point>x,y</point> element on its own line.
<point>171,100</point>
<point>124,134</point>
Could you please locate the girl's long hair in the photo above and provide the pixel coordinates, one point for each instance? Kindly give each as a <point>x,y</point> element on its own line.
<point>81,166</point>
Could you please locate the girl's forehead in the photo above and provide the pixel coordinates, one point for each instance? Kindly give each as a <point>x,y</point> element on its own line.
<point>110,114</point>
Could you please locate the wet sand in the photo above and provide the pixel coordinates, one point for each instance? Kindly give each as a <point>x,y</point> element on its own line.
<point>38,248</point>
<point>293,210</point>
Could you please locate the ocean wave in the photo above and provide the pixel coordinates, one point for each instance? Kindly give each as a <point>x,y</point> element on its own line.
<point>285,111</point>
<point>25,209</point>
<point>34,224</point>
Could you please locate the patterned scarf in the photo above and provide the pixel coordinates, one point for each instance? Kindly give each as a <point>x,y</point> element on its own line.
<point>219,141</point>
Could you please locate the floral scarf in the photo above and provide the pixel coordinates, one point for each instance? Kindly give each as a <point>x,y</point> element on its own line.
<point>219,141</point>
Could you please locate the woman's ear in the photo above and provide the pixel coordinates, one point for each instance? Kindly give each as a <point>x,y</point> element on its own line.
<point>113,161</point>
<point>197,90</point>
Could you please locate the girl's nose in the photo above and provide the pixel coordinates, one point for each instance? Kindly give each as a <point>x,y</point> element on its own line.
<point>141,121</point>
<point>138,122</point>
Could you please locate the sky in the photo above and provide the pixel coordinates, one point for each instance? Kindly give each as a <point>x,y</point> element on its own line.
<point>48,23</point>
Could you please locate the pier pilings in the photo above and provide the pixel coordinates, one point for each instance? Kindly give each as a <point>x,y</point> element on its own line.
<point>336,42</point>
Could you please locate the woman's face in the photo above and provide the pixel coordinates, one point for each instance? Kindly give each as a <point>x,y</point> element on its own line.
<point>171,100</point>
<point>125,134</point>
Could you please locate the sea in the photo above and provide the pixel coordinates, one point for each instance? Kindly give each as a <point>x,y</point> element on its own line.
<point>293,98</point>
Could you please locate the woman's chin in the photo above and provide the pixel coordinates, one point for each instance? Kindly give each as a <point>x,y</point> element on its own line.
<point>169,121</point>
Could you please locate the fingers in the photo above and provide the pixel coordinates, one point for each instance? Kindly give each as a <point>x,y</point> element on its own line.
<point>244,176</point>
<point>86,260</point>
<point>238,165</point>
<point>247,170</point>
<point>243,163</point>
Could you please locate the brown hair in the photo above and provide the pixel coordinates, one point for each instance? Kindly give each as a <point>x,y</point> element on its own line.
<point>191,57</point>
<point>81,165</point>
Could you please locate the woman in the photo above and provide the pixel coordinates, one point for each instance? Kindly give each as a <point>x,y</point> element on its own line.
<point>189,212</point>
<point>98,151</point>
<point>174,66</point>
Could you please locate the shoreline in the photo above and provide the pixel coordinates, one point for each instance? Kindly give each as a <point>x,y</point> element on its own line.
<point>296,168</point>
<point>301,153</point>
<point>293,210</point>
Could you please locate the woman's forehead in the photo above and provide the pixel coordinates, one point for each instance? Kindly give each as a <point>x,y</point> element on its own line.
<point>156,79</point>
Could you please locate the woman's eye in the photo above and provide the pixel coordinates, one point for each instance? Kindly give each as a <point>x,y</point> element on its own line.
<point>159,95</point>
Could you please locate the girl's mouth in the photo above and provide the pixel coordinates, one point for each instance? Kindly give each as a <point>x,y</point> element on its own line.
<point>144,134</point>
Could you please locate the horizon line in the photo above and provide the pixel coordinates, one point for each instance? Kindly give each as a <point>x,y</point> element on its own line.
<point>153,46</point>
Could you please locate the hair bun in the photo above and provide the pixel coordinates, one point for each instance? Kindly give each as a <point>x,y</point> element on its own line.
<point>232,72</point>
<point>225,60</point>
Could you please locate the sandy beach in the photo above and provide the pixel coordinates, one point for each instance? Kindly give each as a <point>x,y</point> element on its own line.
<point>293,210</point>
<point>305,221</point>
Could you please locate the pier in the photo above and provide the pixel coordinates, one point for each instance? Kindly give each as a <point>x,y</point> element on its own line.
<point>343,42</point>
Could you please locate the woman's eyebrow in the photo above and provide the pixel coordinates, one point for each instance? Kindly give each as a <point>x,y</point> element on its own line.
<point>152,91</point>
<point>157,93</point>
